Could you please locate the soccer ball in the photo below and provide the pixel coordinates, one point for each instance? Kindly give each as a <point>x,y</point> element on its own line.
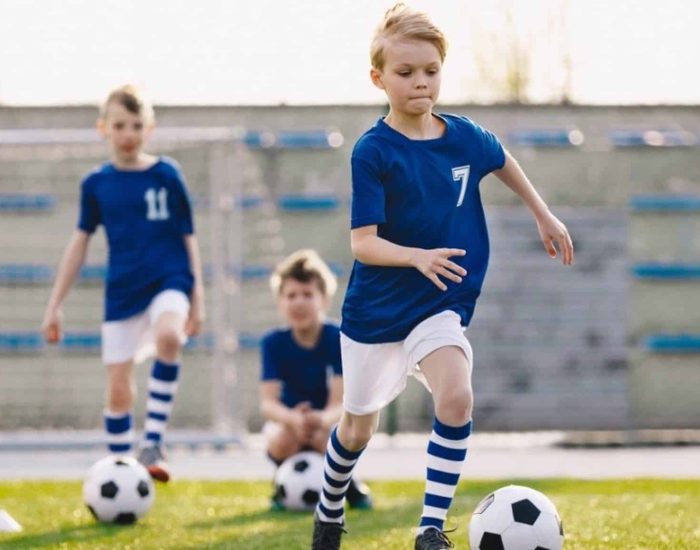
<point>516,518</point>
<point>118,489</point>
<point>299,480</point>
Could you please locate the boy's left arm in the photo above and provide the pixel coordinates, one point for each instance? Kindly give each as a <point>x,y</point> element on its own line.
<point>334,406</point>
<point>549,226</point>
<point>197,313</point>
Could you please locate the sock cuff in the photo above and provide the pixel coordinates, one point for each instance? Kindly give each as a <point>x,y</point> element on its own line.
<point>452,432</point>
<point>117,423</point>
<point>164,371</point>
<point>342,451</point>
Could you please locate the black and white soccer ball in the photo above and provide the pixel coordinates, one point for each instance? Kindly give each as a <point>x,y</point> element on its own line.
<point>516,518</point>
<point>299,480</point>
<point>118,489</point>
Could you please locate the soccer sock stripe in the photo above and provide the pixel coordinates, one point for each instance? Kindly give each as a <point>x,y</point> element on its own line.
<point>447,451</point>
<point>119,430</point>
<point>162,386</point>
<point>337,471</point>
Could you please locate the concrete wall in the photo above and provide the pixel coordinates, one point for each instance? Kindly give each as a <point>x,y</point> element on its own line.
<point>551,344</point>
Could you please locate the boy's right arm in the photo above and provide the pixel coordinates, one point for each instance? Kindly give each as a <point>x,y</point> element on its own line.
<point>71,262</point>
<point>371,249</point>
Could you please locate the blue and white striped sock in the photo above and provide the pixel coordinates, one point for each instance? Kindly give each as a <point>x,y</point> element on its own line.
<point>162,386</point>
<point>120,434</point>
<point>337,471</point>
<point>447,451</point>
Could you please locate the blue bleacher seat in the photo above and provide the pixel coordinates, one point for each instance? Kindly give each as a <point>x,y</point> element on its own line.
<point>81,341</point>
<point>546,137</point>
<point>34,274</point>
<point>14,342</point>
<point>669,203</point>
<point>309,202</point>
<point>252,271</point>
<point>25,273</point>
<point>93,272</point>
<point>247,340</point>
<point>666,271</point>
<point>21,202</point>
<point>294,139</point>
<point>89,342</point>
<point>673,343</point>
<point>651,137</point>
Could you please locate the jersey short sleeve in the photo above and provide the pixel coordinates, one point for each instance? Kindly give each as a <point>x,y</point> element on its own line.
<point>270,367</point>
<point>183,201</point>
<point>336,362</point>
<point>493,153</point>
<point>89,216</point>
<point>367,189</point>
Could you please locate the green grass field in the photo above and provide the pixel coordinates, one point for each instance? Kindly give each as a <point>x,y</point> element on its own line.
<point>637,514</point>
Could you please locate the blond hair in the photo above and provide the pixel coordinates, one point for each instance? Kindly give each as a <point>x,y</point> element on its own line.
<point>131,98</point>
<point>304,266</point>
<point>404,22</point>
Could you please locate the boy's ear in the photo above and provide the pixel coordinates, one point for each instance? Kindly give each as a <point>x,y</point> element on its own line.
<point>150,126</point>
<point>101,126</point>
<point>376,77</point>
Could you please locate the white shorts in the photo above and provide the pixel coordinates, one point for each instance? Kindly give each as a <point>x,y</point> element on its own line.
<point>375,374</point>
<point>134,338</point>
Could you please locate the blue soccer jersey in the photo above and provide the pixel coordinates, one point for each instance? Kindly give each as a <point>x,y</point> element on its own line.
<point>425,194</point>
<point>302,372</point>
<point>145,214</point>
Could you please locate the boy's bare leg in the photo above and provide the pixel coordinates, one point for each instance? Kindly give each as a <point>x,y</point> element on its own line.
<point>118,421</point>
<point>448,373</point>
<point>162,388</point>
<point>283,443</point>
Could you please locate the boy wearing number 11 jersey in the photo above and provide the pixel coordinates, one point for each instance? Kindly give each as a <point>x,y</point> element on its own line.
<point>154,296</point>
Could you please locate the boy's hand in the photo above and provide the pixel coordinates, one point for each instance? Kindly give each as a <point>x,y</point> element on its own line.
<point>51,325</point>
<point>298,424</point>
<point>551,229</point>
<point>313,420</point>
<point>195,319</point>
<point>434,262</point>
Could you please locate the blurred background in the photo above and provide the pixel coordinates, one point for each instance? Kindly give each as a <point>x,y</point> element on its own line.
<point>261,104</point>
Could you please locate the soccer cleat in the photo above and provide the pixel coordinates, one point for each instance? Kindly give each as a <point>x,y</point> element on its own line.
<point>433,539</point>
<point>326,535</point>
<point>358,495</point>
<point>276,504</point>
<point>153,458</point>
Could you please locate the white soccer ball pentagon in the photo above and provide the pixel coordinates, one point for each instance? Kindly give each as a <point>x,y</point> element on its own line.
<point>516,518</point>
<point>299,480</point>
<point>118,489</point>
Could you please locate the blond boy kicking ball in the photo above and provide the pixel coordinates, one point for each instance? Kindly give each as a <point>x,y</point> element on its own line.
<point>154,296</point>
<point>418,234</point>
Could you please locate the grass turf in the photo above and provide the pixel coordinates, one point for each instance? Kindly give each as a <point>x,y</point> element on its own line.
<point>620,514</point>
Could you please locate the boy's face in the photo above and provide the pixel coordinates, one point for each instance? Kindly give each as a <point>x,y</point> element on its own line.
<point>302,305</point>
<point>125,131</point>
<point>411,75</point>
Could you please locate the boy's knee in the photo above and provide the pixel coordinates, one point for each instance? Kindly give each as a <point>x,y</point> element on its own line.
<point>121,397</point>
<point>168,341</point>
<point>357,432</point>
<point>455,406</point>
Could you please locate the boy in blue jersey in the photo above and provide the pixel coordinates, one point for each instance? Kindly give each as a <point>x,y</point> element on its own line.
<point>301,385</point>
<point>419,237</point>
<point>154,295</point>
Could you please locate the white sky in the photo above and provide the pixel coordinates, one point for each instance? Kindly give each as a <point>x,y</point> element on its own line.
<point>316,51</point>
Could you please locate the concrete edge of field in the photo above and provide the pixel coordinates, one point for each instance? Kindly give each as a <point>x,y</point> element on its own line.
<point>197,456</point>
